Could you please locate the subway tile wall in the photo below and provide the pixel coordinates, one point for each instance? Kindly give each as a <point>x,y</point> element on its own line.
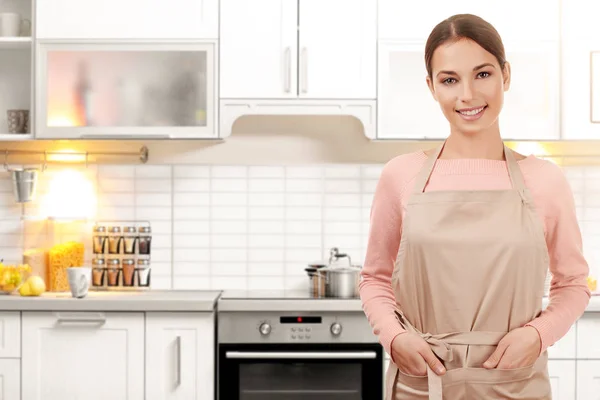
<point>242,227</point>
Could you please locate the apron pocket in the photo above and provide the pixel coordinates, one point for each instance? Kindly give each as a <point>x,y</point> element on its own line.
<point>408,387</point>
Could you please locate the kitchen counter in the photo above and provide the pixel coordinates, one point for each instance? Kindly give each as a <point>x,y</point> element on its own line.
<point>150,300</point>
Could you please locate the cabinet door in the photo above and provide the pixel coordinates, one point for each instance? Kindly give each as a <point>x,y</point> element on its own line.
<point>566,347</point>
<point>81,355</point>
<point>10,334</point>
<point>126,90</point>
<point>338,49</point>
<point>10,379</point>
<point>588,327</point>
<point>405,107</point>
<point>588,379</point>
<point>562,379</point>
<point>131,19</point>
<point>258,49</point>
<point>580,70</point>
<point>537,20</point>
<point>180,356</point>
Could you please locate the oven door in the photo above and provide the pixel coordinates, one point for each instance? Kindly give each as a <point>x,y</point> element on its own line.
<point>300,372</point>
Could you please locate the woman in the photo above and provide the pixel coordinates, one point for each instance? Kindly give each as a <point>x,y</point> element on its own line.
<point>462,237</point>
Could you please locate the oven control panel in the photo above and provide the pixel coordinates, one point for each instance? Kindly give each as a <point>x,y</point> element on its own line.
<point>294,327</point>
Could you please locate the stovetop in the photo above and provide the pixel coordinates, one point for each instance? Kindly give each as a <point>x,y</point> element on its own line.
<point>270,295</point>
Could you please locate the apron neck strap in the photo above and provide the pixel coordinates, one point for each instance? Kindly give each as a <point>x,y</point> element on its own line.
<point>514,172</point>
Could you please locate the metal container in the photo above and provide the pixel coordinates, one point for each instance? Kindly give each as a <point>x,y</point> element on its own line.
<point>24,184</point>
<point>342,282</point>
<point>316,283</point>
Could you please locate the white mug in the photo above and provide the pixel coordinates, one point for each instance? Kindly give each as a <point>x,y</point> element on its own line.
<point>79,280</point>
<point>10,24</point>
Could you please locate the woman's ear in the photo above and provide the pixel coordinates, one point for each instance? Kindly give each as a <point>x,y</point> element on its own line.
<point>506,75</point>
<point>431,88</point>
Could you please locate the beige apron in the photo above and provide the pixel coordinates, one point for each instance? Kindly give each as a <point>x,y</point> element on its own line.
<point>470,268</point>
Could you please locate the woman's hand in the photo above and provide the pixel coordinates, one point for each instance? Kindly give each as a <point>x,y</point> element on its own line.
<point>518,348</point>
<point>411,354</point>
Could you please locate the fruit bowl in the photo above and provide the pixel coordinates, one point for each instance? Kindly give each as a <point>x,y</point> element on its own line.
<point>12,277</point>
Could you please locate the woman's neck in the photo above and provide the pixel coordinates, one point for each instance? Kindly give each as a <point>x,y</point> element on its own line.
<point>486,145</point>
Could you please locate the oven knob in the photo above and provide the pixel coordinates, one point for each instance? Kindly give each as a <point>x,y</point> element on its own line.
<point>336,329</point>
<point>264,329</point>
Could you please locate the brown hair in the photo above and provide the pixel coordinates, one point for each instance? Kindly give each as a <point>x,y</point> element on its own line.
<point>465,26</point>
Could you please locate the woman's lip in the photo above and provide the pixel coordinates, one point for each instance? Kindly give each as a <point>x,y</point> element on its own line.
<point>472,117</point>
<point>472,108</point>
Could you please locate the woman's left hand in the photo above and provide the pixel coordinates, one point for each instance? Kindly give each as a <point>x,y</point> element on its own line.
<point>518,348</point>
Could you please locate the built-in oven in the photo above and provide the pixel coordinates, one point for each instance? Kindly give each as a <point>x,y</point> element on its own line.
<point>298,356</point>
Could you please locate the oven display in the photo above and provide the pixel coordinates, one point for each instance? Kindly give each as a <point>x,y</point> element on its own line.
<point>300,320</point>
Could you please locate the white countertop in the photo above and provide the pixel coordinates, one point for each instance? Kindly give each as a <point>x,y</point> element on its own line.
<point>148,300</point>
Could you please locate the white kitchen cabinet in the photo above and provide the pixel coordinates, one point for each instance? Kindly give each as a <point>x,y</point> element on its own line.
<point>83,355</point>
<point>407,110</point>
<point>566,347</point>
<point>180,356</point>
<point>562,379</point>
<point>126,90</point>
<point>536,21</point>
<point>259,49</point>
<point>131,19</point>
<point>298,49</point>
<point>10,379</point>
<point>10,334</point>
<point>580,70</point>
<point>588,379</point>
<point>588,335</point>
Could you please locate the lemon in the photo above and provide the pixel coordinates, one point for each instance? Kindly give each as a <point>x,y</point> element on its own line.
<point>36,285</point>
<point>592,284</point>
<point>24,289</point>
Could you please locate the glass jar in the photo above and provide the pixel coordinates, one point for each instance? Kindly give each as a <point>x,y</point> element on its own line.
<point>144,240</point>
<point>99,239</point>
<point>129,239</point>
<point>143,272</point>
<point>114,270</point>
<point>114,240</point>
<point>98,271</point>
<point>128,271</point>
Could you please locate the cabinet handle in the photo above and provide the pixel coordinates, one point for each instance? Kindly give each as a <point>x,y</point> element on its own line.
<point>75,319</point>
<point>304,75</point>
<point>287,70</point>
<point>178,370</point>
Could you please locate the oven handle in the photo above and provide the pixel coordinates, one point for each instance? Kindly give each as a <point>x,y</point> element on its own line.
<point>363,355</point>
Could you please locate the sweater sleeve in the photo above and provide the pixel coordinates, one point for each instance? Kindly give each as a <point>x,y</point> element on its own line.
<point>569,294</point>
<point>377,296</point>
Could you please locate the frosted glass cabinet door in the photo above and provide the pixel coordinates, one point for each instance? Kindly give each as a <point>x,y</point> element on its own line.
<point>129,90</point>
<point>406,109</point>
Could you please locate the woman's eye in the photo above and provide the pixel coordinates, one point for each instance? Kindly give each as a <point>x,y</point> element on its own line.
<point>449,81</point>
<point>483,74</point>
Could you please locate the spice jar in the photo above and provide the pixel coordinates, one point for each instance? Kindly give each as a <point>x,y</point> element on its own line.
<point>144,240</point>
<point>99,239</point>
<point>98,271</point>
<point>114,240</point>
<point>129,239</point>
<point>128,271</point>
<point>114,270</point>
<point>143,272</point>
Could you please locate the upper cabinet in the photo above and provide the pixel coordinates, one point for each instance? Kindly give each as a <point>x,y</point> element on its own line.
<point>580,72</point>
<point>119,90</point>
<point>406,109</point>
<point>284,49</point>
<point>130,19</point>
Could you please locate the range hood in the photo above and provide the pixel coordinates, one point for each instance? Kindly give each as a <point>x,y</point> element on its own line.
<point>363,110</point>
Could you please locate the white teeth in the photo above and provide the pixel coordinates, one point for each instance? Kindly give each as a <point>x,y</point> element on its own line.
<point>472,112</point>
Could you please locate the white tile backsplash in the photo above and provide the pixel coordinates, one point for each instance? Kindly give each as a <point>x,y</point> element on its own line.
<point>249,227</point>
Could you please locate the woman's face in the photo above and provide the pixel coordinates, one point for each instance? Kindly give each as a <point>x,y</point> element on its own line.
<point>469,85</point>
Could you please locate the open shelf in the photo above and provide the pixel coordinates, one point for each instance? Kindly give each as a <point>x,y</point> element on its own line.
<point>13,43</point>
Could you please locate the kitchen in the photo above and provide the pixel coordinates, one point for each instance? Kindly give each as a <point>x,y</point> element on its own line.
<point>270,166</point>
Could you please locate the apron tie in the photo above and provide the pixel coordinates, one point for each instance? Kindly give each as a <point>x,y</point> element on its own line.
<point>441,346</point>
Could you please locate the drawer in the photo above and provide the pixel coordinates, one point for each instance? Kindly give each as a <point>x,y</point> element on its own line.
<point>10,334</point>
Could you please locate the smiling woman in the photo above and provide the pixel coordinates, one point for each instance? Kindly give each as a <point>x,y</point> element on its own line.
<point>461,240</point>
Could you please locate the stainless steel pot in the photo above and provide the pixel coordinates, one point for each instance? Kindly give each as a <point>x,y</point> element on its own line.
<point>341,282</point>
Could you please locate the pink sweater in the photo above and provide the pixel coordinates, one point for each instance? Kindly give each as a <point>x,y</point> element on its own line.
<point>569,293</point>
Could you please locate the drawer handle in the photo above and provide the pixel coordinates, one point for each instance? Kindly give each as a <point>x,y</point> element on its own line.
<point>178,371</point>
<point>74,319</point>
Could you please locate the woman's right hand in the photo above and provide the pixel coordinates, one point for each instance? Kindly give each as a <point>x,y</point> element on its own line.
<point>411,354</point>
